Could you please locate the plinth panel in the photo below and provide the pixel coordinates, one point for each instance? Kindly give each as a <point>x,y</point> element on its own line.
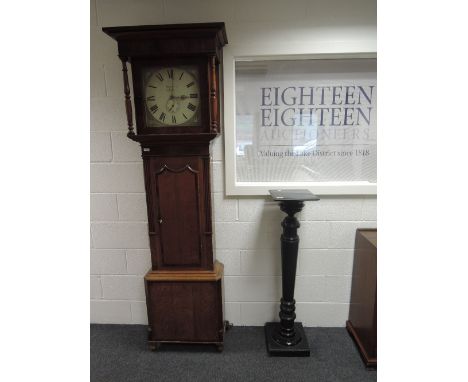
<point>182,311</point>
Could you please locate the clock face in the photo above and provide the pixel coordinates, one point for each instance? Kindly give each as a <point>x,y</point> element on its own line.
<point>172,97</point>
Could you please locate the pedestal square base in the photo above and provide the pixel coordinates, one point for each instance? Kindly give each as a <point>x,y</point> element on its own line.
<point>301,349</point>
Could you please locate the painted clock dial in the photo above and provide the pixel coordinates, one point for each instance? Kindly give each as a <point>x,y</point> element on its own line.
<point>172,97</point>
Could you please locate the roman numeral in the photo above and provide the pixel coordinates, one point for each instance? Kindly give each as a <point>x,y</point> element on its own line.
<point>191,107</point>
<point>190,84</point>
<point>154,108</point>
<point>159,76</point>
<point>174,119</point>
<point>184,116</point>
<point>181,75</point>
<point>151,98</point>
<point>194,95</point>
<point>162,117</point>
<point>170,73</point>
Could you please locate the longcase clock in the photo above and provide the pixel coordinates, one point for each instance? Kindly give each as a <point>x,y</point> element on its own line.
<point>175,78</point>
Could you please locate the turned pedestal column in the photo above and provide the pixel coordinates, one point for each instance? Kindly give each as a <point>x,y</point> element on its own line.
<point>287,338</point>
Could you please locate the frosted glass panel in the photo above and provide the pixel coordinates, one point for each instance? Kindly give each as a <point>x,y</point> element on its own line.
<point>306,120</point>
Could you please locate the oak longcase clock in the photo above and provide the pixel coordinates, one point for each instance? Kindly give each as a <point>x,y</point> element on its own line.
<point>176,103</point>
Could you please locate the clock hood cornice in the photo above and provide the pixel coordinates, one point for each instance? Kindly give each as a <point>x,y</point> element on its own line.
<point>147,41</point>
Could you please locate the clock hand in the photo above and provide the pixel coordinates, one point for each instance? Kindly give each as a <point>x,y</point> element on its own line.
<point>172,87</point>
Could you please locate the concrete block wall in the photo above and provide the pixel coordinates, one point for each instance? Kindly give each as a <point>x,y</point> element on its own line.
<point>246,228</point>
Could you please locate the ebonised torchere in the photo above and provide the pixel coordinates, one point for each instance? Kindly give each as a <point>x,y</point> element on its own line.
<point>287,338</point>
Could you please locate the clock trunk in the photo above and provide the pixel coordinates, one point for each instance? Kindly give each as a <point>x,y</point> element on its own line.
<point>179,211</point>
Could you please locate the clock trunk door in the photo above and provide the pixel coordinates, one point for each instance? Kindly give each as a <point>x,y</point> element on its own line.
<point>175,184</point>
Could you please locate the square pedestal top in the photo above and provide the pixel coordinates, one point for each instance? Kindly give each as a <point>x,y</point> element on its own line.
<point>298,195</point>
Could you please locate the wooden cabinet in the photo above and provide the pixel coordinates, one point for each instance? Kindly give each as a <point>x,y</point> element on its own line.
<point>362,321</point>
<point>175,77</point>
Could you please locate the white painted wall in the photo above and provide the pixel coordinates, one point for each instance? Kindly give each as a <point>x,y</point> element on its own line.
<point>246,229</point>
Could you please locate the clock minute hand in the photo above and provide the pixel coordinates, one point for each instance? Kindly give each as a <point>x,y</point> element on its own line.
<point>172,87</point>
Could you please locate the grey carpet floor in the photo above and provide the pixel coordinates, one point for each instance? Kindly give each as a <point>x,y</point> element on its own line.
<point>119,353</point>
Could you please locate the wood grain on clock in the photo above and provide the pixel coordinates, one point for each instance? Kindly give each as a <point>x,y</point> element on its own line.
<point>177,197</point>
<point>185,306</point>
<point>185,311</point>
<point>187,275</point>
<point>179,216</point>
<point>176,99</point>
<point>174,40</point>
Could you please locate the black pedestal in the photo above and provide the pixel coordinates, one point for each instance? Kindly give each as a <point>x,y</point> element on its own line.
<point>287,338</point>
<point>300,349</point>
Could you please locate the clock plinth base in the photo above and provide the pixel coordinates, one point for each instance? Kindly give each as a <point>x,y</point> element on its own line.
<point>274,348</point>
<point>159,345</point>
<point>185,307</point>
